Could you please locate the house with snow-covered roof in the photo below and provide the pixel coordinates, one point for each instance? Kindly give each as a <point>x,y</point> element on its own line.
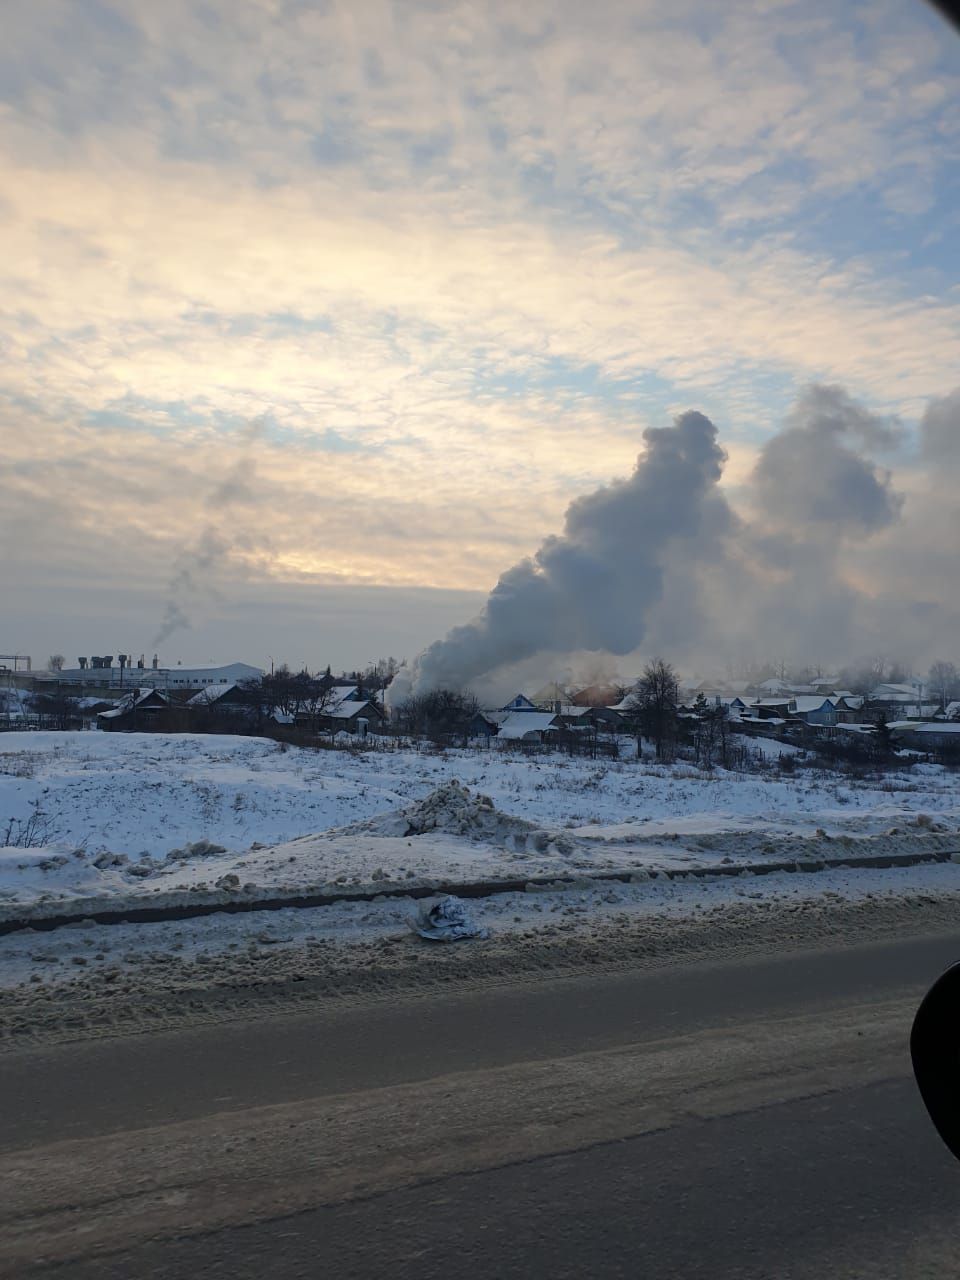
<point>528,726</point>
<point>348,711</point>
<point>924,735</point>
<point>218,695</point>
<point>145,710</point>
<point>814,709</point>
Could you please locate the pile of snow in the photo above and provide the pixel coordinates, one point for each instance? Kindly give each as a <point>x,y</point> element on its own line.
<point>452,809</point>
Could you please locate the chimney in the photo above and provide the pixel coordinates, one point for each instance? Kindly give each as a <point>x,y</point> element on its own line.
<point>122,659</point>
<point>140,663</point>
<point>155,663</point>
<point>82,663</point>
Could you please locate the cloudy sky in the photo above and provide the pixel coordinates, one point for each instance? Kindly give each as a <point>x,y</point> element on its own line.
<point>318,316</point>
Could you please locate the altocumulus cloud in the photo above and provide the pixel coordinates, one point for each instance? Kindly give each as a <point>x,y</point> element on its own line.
<point>409,239</point>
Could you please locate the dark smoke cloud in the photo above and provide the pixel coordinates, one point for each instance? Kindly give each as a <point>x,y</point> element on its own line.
<point>592,587</point>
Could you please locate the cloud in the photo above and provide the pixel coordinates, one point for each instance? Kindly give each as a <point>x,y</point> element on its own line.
<point>408,238</point>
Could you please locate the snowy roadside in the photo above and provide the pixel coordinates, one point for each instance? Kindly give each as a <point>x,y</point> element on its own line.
<point>390,824</point>
<point>90,980</point>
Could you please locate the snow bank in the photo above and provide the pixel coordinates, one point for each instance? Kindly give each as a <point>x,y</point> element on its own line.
<point>454,810</point>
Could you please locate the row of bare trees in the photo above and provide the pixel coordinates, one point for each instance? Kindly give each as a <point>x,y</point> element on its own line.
<point>442,715</point>
<point>653,713</point>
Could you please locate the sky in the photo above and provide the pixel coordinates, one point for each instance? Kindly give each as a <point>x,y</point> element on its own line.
<point>317,317</point>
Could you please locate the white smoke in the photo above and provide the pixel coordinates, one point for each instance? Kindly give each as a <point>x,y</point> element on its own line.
<point>828,556</point>
<point>592,587</point>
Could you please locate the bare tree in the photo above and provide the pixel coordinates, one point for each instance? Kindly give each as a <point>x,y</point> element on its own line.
<point>440,715</point>
<point>944,681</point>
<point>710,733</point>
<point>55,662</point>
<point>379,674</point>
<point>654,706</point>
<point>54,710</point>
<point>298,694</point>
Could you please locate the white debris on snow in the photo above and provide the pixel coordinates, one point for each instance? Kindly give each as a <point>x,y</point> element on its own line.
<point>448,920</point>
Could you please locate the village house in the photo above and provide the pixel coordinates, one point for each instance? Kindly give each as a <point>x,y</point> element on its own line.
<point>772,708</point>
<point>225,699</point>
<point>348,711</point>
<point>849,708</point>
<point>527,726</point>
<point>935,735</point>
<point>814,709</point>
<point>520,702</point>
<point>145,710</point>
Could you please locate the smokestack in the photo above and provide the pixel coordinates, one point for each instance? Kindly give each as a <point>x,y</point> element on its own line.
<point>122,659</point>
<point>155,662</point>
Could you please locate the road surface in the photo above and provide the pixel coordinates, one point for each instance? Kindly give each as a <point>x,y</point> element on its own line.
<point>752,1119</point>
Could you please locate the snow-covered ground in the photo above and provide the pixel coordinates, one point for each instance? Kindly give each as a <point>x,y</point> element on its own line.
<point>92,980</point>
<point>179,820</point>
<point>172,818</point>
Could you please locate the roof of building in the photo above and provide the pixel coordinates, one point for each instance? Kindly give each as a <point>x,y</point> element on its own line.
<point>520,723</point>
<point>519,702</point>
<point>212,693</point>
<point>134,699</point>
<point>343,696</point>
<point>349,708</point>
<point>813,702</point>
<point>625,704</point>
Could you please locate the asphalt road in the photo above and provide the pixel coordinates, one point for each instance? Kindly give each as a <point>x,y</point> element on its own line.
<point>748,1120</point>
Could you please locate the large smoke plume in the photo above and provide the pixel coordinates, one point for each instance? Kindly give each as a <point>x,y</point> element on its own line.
<point>827,556</point>
<point>592,587</point>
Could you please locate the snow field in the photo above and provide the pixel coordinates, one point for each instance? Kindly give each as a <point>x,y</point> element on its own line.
<point>178,819</point>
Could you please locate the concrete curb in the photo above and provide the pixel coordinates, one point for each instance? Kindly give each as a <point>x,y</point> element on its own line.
<point>465,889</point>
